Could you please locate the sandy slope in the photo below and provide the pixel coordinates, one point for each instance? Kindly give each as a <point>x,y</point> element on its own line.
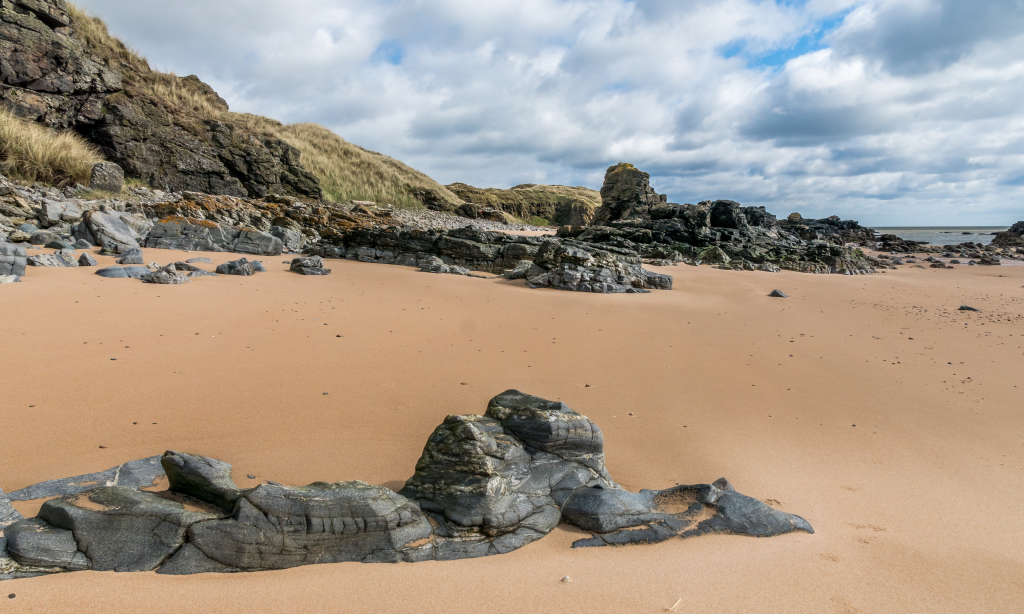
<point>917,507</point>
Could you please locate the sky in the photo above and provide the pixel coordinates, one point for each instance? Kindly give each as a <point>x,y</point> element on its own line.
<point>890,112</point>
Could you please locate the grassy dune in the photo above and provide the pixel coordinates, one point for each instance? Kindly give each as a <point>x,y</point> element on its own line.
<point>346,171</point>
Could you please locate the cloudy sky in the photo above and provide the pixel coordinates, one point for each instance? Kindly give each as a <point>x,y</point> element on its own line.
<point>892,112</point>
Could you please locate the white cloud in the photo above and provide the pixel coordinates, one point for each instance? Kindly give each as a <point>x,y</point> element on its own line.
<point>887,111</point>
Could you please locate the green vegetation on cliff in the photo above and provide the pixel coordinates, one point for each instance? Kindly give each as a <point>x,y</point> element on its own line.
<point>540,204</point>
<point>31,153</point>
<point>167,131</point>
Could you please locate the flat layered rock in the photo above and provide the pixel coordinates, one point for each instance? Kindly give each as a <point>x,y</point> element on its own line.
<point>140,473</point>
<point>53,260</point>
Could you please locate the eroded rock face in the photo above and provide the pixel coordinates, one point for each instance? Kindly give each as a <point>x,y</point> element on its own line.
<point>51,75</point>
<point>582,268</point>
<point>1013,237</point>
<point>485,484</point>
<point>190,234</point>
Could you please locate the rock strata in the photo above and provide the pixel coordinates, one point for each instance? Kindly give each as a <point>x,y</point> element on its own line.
<point>484,485</point>
<point>312,265</point>
<point>13,259</point>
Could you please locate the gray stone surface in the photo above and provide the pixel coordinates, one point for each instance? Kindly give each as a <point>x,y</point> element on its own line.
<point>113,272</point>
<point>7,513</point>
<point>107,176</point>
<point>43,237</point>
<point>9,279</point>
<point>778,294</point>
<point>204,478</point>
<point>140,473</point>
<point>183,233</point>
<point>133,255</point>
<point>577,267</point>
<point>13,259</point>
<point>309,265</point>
<point>202,260</point>
<point>619,517</point>
<point>116,232</point>
<point>87,260</point>
<point>53,260</point>
<point>242,267</point>
<point>167,275</point>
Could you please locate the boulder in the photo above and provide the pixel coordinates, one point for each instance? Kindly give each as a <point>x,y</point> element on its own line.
<point>87,260</point>
<point>13,259</point>
<point>9,279</point>
<point>237,267</point>
<point>53,260</point>
<point>203,478</point>
<point>113,272</point>
<point>167,275</point>
<point>312,265</point>
<point>107,176</point>
<point>43,237</point>
<point>59,244</point>
<point>115,232</point>
<point>132,256</point>
<point>778,294</point>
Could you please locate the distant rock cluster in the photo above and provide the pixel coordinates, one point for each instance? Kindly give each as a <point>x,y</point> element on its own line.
<point>484,485</point>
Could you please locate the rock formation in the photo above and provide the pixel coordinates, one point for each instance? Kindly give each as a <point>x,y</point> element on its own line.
<point>54,73</point>
<point>634,217</point>
<point>484,485</point>
<point>549,204</point>
<point>1014,237</point>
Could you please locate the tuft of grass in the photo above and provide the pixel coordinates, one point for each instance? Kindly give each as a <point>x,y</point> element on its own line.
<point>349,172</point>
<point>32,153</point>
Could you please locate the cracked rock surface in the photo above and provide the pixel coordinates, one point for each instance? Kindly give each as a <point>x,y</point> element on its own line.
<point>484,485</point>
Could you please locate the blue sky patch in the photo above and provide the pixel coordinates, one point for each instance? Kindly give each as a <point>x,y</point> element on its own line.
<point>809,42</point>
<point>390,51</point>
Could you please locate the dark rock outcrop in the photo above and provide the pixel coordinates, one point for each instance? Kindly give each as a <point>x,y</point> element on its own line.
<point>87,260</point>
<point>1013,237</point>
<point>200,235</point>
<point>241,267</point>
<point>619,517</point>
<point>582,268</point>
<point>310,265</point>
<point>167,275</point>
<point>635,218</point>
<point>115,231</point>
<point>484,485</point>
<point>52,74</point>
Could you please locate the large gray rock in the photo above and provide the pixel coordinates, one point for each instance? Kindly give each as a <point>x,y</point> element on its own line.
<point>206,479</point>
<point>43,237</point>
<point>189,234</point>
<point>167,275</point>
<point>276,527</point>
<point>132,256</point>
<point>309,265</point>
<point>107,176</point>
<point>113,272</point>
<point>237,267</point>
<point>114,528</point>
<point>13,259</point>
<point>620,517</point>
<point>53,260</point>
<point>87,260</point>
<point>116,232</point>
<point>492,483</point>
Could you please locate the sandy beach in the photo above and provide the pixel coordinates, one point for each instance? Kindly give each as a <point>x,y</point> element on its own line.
<point>868,405</point>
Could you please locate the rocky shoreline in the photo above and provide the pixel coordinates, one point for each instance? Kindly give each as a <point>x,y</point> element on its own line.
<point>484,485</point>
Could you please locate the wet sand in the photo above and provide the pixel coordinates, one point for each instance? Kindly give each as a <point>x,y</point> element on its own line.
<point>867,405</point>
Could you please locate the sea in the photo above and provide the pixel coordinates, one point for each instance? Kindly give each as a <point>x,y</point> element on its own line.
<point>944,235</point>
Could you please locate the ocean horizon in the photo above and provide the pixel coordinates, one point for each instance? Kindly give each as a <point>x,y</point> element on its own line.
<point>944,235</point>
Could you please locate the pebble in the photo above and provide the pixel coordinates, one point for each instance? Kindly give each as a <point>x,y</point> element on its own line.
<point>251,476</point>
<point>566,579</point>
